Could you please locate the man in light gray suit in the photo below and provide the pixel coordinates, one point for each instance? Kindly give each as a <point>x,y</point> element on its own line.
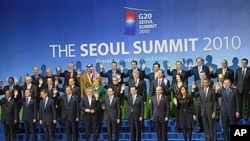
<point>208,104</point>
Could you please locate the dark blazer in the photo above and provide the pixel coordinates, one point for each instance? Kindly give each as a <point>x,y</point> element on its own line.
<point>209,104</point>
<point>35,79</point>
<point>229,102</point>
<point>66,76</point>
<point>9,111</point>
<point>30,111</point>
<point>141,88</point>
<point>151,77</point>
<point>164,87</point>
<point>130,74</point>
<point>159,112</point>
<point>109,75</point>
<point>95,105</point>
<point>33,89</point>
<point>173,73</point>
<point>47,114</point>
<point>137,107</point>
<point>228,75</point>
<point>243,85</point>
<point>195,71</point>
<point>112,111</point>
<point>71,109</point>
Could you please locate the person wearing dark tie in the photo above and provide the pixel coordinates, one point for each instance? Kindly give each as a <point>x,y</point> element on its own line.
<point>90,105</point>
<point>162,81</point>
<point>67,74</point>
<point>47,115</point>
<point>178,69</point>
<point>242,82</point>
<point>134,112</point>
<point>198,68</point>
<point>129,74</point>
<point>110,73</point>
<point>70,113</point>
<point>159,113</point>
<point>229,106</point>
<point>112,114</point>
<point>36,76</point>
<point>186,114</point>
<point>29,115</point>
<point>9,116</point>
<point>208,104</point>
<point>151,76</point>
<point>75,89</point>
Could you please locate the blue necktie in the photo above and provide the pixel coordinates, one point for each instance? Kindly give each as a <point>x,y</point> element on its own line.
<point>27,102</point>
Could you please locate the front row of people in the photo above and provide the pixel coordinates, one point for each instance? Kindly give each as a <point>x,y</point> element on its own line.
<point>91,105</point>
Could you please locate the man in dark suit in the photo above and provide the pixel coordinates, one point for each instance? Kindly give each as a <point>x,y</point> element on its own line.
<point>130,72</point>
<point>112,114</point>
<point>242,82</point>
<point>55,78</point>
<point>36,76</point>
<point>110,73</point>
<point>198,68</point>
<point>208,104</point>
<point>90,106</point>
<point>199,84</point>
<point>160,81</point>
<point>151,76</point>
<point>159,113</point>
<point>32,87</point>
<point>47,115</point>
<point>229,106</point>
<point>9,116</point>
<point>134,112</point>
<point>67,74</point>
<point>178,69</point>
<point>227,72</point>
<point>70,113</point>
<point>75,89</point>
<point>29,115</point>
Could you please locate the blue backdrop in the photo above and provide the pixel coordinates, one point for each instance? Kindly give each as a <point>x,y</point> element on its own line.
<point>56,32</point>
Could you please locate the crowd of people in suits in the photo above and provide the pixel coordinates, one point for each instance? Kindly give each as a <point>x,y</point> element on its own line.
<point>90,95</point>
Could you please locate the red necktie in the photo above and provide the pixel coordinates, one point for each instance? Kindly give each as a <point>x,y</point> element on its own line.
<point>159,100</point>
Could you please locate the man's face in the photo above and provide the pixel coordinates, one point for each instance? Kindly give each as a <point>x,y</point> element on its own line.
<point>178,66</point>
<point>115,81</point>
<point>205,83</point>
<point>133,65</point>
<point>89,92</point>
<point>202,76</point>
<point>68,91</point>
<point>221,78</point>
<point>158,90</point>
<point>89,70</point>
<point>7,94</point>
<point>133,90</point>
<point>43,95</point>
<point>28,80</point>
<point>244,63</point>
<point>223,64</point>
<point>135,75</point>
<point>156,68</point>
<point>110,92</point>
<point>227,83</point>
<point>114,66</point>
<point>199,62</point>
<point>70,67</point>
<point>71,82</point>
<point>159,74</point>
<point>35,70</point>
<point>48,72</point>
<point>10,81</point>
<point>27,93</point>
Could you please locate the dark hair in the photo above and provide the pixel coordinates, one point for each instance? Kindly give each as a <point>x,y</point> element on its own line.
<point>245,59</point>
<point>181,77</point>
<point>179,96</point>
<point>157,64</point>
<point>134,61</point>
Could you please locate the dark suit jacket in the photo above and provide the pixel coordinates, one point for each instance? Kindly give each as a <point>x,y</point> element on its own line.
<point>185,74</point>
<point>164,87</point>
<point>95,105</point>
<point>137,107</point>
<point>70,110</point>
<point>47,114</point>
<point>243,85</point>
<point>35,79</point>
<point>109,75</point>
<point>141,88</point>
<point>9,111</point>
<point>195,71</point>
<point>33,89</point>
<point>229,102</point>
<point>228,75</point>
<point>30,111</point>
<point>66,76</point>
<point>159,112</point>
<point>112,111</point>
<point>150,77</point>
<point>209,104</point>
